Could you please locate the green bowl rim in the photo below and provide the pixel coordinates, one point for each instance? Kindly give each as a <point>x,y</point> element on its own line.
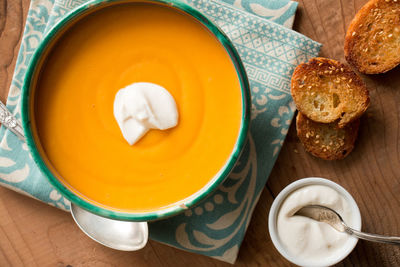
<point>174,208</point>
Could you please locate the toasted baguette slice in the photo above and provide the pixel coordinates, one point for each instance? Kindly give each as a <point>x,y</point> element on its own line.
<point>372,43</point>
<point>326,140</point>
<point>326,91</point>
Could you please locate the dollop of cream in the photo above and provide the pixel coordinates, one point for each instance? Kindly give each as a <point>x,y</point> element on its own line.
<point>142,106</point>
<point>306,238</point>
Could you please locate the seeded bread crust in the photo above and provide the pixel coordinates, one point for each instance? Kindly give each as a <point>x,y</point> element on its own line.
<point>326,140</point>
<point>372,43</point>
<point>326,91</point>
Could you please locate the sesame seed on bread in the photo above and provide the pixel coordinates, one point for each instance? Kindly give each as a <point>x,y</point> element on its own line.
<point>326,91</point>
<point>326,140</point>
<point>372,43</point>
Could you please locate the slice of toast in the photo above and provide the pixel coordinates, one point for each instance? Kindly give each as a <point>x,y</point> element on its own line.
<point>326,140</point>
<point>372,43</point>
<point>325,91</point>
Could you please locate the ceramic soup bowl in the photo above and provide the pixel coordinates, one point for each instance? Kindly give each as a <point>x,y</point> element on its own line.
<point>28,98</point>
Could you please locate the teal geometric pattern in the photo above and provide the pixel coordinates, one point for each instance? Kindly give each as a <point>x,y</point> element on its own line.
<point>269,51</point>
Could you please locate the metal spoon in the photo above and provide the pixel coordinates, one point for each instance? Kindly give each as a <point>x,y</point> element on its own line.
<point>121,235</point>
<point>331,217</point>
<point>10,122</point>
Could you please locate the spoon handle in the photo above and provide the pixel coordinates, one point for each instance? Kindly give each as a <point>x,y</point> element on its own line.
<point>374,237</point>
<point>10,122</point>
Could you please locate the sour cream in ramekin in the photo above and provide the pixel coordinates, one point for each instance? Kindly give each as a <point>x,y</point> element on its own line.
<point>304,241</point>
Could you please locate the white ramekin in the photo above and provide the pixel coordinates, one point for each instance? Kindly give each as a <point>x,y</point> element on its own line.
<point>273,214</point>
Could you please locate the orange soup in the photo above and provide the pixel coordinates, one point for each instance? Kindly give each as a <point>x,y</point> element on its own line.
<point>108,50</point>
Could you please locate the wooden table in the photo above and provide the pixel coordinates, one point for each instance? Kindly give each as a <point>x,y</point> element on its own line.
<point>34,234</point>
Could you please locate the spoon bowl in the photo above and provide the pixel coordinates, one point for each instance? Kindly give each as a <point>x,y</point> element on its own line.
<point>331,217</point>
<point>323,214</point>
<point>120,235</point>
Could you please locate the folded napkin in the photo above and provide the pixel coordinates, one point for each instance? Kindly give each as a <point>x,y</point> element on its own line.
<point>269,51</point>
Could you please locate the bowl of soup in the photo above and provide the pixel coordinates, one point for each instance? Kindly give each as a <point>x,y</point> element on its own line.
<point>69,91</point>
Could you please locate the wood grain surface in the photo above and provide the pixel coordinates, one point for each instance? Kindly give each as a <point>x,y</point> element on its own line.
<point>34,234</point>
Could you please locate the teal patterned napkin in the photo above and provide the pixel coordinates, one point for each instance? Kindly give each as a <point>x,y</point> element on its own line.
<point>269,51</point>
